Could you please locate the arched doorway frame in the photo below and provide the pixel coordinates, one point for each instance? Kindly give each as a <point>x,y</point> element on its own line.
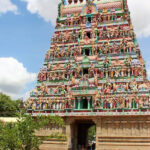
<point>71,130</point>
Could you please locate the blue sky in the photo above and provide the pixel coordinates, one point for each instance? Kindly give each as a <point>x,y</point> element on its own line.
<point>26,27</point>
<point>25,37</point>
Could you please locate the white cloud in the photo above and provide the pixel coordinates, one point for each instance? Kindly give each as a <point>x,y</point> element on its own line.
<point>14,77</point>
<point>140,13</point>
<point>47,9</point>
<point>148,73</point>
<point>25,96</point>
<point>7,5</point>
<point>148,69</point>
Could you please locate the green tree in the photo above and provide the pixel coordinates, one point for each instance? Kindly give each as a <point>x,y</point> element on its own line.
<point>28,126</point>
<point>8,107</point>
<point>9,137</point>
<point>21,135</point>
<point>91,132</point>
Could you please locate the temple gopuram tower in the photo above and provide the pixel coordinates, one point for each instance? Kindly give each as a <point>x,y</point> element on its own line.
<point>94,74</point>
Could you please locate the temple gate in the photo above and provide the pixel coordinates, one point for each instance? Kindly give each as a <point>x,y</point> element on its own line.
<point>94,74</point>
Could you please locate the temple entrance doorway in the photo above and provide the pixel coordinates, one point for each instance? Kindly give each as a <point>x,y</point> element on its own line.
<point>85,135</point>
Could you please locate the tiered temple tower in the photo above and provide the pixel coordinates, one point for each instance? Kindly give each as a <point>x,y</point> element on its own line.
<point>94,73</point>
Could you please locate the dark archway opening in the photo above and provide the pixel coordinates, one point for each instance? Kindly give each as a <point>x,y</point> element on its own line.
<point>86,135</point>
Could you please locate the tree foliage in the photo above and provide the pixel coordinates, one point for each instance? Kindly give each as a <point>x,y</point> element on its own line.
<point>9,137</point>
<point>21,135</point>
<point>8,107</point>
<point>91,132</point>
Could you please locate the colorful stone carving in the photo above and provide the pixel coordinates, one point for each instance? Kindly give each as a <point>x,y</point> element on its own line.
<point>94,62</point>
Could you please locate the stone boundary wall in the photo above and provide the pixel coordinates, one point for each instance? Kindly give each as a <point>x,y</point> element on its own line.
<point>123,133</point>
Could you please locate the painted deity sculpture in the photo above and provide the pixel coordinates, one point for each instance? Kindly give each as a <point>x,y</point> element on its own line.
<point>94,61</point>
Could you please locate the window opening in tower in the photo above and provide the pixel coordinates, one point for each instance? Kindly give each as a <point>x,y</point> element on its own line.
<point>75,1</point>
<point>88,34</point>
<point>69,1</point>
<point>87,52</point>
<point>89,19</point>
<point>85,71</point>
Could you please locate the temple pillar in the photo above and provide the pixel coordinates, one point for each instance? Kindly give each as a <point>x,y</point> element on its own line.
<point>69,130</point>
<point>88,104</point>
<point>68,134</point>
<point>98,124</point>
<point>79,103</point>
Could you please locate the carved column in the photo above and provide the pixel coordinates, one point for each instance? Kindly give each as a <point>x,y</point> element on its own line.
<point>79,104</point>
<point>98,123</point>
<point>88,104</point>
<point>69,123</point>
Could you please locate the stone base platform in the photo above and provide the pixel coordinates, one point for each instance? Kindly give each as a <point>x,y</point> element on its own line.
<point>112,133</point>
<point>53,145</point>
